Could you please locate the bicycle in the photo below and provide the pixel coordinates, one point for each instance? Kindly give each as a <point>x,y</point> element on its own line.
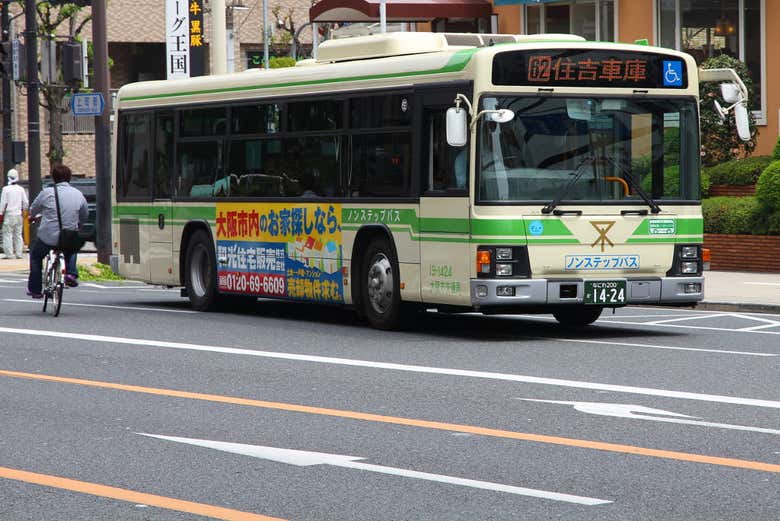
<point>53,281</point>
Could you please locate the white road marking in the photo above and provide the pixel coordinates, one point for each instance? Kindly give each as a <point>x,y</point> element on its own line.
<point>639,412</point>
<point>652,346</point>
<point>303,458</point>
<point>576,384</point>
<point>763,283</point>
<point>131,308</point>
<point>706,328</point>
<point>679,319</point>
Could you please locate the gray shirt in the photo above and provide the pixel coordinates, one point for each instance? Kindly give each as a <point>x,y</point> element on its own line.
<point>73,209</point>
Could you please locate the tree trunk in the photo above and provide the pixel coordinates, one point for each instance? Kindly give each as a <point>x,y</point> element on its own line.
<point>54,99</point>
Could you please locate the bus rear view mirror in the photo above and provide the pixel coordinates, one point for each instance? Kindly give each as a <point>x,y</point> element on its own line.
<point>580,109</point>
<point>457,126</point>
<point>730,92</point>
<point>742,120</point>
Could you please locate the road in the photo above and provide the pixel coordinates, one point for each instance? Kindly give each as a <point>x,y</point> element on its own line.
<point>129,406</point>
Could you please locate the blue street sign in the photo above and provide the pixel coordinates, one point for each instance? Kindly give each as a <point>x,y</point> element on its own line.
<point>87,104</point>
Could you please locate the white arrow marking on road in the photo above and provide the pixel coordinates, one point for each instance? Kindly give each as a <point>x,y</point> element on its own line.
<point>639,412</point>
<point>303,458</point>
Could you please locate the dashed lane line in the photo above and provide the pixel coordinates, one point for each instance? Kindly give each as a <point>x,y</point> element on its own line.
<point>412,422</point>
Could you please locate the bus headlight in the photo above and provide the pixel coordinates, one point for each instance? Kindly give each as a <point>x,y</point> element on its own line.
<point>504,270</point>
<point>689,252</point>
<point>689,268</point>
<point>503,254</point>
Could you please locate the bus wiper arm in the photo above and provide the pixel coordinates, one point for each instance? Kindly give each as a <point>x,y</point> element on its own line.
<point>549,207</point>
<point>632,182</point>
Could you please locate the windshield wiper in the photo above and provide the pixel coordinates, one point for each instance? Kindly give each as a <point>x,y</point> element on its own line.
<point>549,207</point>
<point>632,182</point>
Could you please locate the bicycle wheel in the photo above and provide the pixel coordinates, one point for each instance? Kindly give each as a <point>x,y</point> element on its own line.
<point>47,282</point>
<point>56,299</point>
<point>56,285</point>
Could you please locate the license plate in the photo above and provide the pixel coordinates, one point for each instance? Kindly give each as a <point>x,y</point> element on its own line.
<point>605,292</point>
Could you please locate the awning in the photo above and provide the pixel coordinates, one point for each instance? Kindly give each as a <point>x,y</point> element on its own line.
<point>523,2</point>
<point>398,10</point>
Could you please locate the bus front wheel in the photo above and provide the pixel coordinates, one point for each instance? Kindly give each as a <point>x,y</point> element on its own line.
<point>380,287</point>
<point>578,316</point>
<point>200,272</point>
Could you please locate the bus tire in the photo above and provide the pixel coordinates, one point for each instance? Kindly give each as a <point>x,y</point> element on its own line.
<point>380,285</point>
<point>200,273</point>
<point>578,316</point>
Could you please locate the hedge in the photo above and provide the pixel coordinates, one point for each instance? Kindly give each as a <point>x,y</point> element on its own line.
<point>739,172</point>
<point>739,215</point>
<point>768,186</point>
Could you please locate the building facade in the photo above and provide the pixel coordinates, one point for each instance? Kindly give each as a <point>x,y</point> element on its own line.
<point>703,28</point>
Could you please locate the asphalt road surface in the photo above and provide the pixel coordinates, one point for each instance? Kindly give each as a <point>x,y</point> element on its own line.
<point>129,406</point>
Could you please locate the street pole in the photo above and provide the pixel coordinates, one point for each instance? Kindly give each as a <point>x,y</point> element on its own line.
<point>8,163</point>
<point>265,35</point>
<point>33,116</point>
<point>219,40</point>
<point>102,133</point>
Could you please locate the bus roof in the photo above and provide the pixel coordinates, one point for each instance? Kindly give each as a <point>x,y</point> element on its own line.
<point>381,60</point>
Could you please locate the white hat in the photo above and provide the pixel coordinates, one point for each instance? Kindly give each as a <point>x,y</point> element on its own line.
<point>13,176</point>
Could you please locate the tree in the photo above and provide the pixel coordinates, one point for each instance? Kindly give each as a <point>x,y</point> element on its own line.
<point>720,142</point>
<point>56,18</point>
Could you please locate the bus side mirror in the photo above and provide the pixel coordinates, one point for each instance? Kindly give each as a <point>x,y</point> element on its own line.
<point>743,122</point>
<point>457,126</point>
<point>730,92</point>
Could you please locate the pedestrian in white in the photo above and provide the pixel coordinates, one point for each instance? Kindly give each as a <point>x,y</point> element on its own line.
<point>13,202</point>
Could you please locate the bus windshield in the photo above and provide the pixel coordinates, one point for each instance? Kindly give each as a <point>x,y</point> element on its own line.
<point>590,150</point>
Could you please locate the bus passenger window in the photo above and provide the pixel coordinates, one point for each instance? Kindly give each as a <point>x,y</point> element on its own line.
<point>135,156</point>
<point>199,168</point>
<point>381,164</point>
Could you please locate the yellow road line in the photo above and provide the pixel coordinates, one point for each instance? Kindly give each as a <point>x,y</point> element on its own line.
<point>411,422</point>
<point>121,494</point>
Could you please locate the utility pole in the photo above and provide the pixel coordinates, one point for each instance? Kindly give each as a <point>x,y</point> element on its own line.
<point>33,115</point>
<point>102,132</point>
<point>5,104</point>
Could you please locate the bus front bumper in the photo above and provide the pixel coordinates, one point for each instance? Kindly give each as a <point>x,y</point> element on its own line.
<point>534,292</point>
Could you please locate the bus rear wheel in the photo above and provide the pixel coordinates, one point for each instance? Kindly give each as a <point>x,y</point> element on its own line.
<point>200,276</point>
<point>380,287</point>
<point>578,316</point>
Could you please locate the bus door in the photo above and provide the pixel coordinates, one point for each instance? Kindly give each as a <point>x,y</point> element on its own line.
<point>444,205</point>
<point>160,216</point>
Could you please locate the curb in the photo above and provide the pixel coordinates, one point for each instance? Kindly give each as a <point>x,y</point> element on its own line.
<point>737,306</point>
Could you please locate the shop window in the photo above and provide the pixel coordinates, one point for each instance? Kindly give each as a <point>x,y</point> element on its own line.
<point>711,28</point>
<point>591,19</point>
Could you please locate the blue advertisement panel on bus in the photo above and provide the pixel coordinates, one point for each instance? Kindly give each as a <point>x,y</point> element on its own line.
<point>281,250</point>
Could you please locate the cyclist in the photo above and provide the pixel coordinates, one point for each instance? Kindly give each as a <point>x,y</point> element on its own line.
<point>74,212</point>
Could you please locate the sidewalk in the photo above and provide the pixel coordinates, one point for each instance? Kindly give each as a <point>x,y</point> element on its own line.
<point>723,290</point>
<point>23,264</point>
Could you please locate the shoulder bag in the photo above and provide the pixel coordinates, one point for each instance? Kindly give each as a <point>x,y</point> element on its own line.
<point>70,241</point>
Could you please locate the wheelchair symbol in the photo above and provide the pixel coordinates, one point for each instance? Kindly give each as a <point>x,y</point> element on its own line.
<point>673,73</point>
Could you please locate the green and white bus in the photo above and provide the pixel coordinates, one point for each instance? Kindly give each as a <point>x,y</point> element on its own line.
<point>463,172</point>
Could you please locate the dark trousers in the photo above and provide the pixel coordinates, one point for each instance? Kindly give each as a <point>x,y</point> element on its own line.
<point>38,251</point>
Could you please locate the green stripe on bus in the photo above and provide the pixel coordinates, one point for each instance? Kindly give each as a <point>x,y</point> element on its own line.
<point>457,63</point>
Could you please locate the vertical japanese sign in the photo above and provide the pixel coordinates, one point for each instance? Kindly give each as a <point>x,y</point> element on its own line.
<point>177,43</point>
<point>281,250</point>
<point>196,37</point>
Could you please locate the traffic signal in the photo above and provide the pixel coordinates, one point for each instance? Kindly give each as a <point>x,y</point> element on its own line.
<point>6,59</point>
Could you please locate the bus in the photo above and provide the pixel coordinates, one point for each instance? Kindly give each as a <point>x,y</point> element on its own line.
<point>462,172</point>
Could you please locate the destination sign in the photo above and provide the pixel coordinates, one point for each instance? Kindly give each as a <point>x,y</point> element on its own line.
<point>589,68</point>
